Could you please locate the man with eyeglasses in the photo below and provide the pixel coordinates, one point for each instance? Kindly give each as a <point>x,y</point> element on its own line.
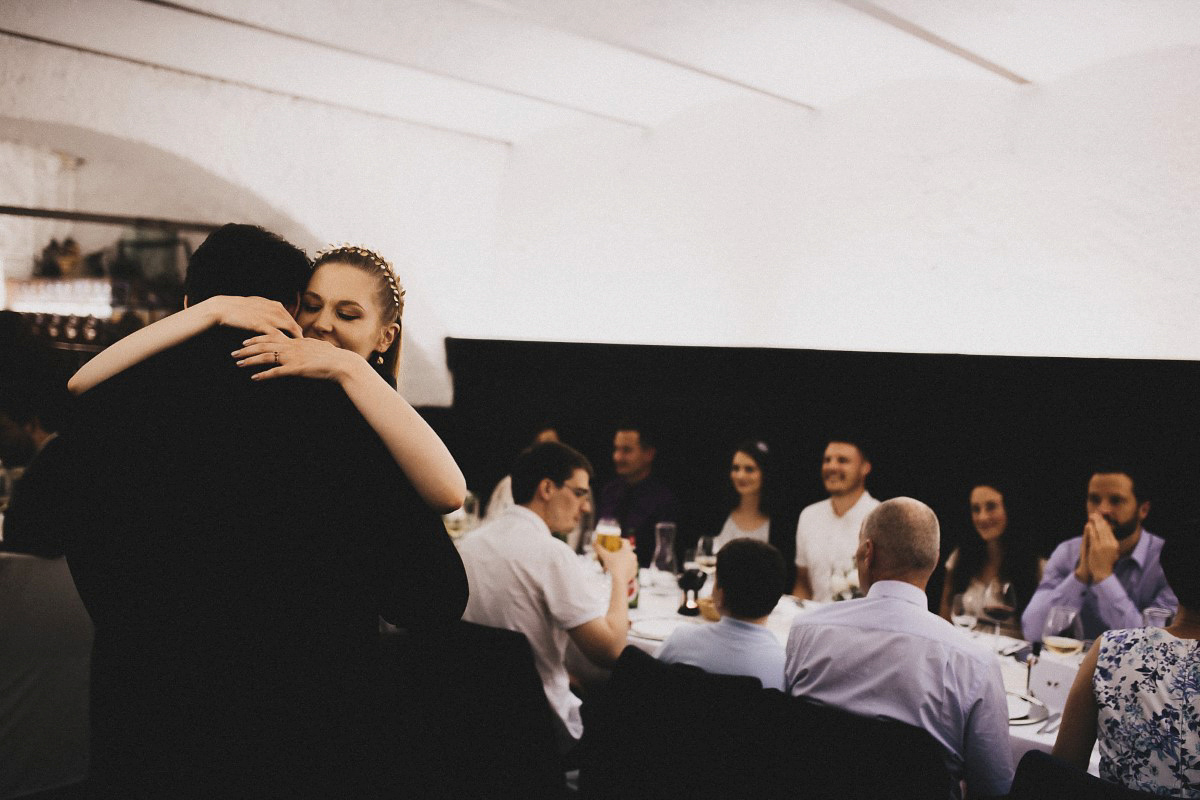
<point>524,579</point>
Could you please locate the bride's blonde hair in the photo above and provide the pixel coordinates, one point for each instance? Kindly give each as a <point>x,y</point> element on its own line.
<point>389,294</point>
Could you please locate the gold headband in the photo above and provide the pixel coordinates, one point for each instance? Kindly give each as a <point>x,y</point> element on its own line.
<point>380,263</point>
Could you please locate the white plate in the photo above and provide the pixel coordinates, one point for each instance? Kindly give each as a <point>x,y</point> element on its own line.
<point>655,629</point>
<point>1032,710</point>
<point>1018,706</point>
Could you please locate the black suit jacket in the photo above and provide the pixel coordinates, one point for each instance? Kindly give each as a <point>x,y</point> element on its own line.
<point>236,542</point>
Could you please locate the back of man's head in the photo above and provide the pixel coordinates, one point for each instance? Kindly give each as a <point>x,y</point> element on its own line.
<point>906,537</point>
<point>751,576</point>
<point>249,261</point>
<point>552,460</point>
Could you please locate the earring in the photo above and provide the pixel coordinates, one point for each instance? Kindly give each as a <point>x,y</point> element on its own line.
<point>379,359</point>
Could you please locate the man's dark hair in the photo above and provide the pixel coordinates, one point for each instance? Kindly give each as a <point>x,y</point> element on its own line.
<point>552,460</point>
<point>751,574</point>
<point>248,261</point>
<point>854,437</point>
<point>1179,557</point>
<point>647,435</point>
<point>1139,476</point>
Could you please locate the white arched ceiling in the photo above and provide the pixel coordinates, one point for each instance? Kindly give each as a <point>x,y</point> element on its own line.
<point>977,176</point>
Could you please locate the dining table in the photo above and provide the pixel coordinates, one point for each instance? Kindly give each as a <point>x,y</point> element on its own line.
<point>1034,719</point>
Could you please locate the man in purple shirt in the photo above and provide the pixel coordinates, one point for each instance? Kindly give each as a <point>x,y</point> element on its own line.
<point>1111,572</point>
<point>636,499</point>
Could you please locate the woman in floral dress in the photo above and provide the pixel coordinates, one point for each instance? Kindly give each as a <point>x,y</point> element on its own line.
<point>1138,691</point>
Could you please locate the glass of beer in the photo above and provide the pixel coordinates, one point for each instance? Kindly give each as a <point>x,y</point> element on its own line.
<point>608,535</point>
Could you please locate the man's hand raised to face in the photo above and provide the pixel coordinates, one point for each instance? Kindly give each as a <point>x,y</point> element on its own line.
<point>1082,572</point>
<point>1103,549</point>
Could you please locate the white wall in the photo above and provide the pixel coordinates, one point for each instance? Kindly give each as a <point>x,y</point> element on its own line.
<point>165,144</point>
<point>987,218</point>
<point>1046,220</point>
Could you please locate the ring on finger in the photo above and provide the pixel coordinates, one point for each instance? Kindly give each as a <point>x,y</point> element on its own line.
<point>276,356</point>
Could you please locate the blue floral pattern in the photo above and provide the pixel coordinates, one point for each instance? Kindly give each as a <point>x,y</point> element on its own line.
<point>1147,688</point>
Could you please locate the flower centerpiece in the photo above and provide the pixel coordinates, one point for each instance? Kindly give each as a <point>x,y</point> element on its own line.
<point>843,583</point>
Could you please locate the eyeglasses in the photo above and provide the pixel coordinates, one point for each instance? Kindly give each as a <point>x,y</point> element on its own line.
<point>579,493</point>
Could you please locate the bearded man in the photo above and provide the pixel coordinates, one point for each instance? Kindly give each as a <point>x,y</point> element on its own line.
<point>1110,573</point>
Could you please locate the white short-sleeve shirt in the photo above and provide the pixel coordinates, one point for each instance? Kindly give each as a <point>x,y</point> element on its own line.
<point>523,579</point>
<point>826,542</point>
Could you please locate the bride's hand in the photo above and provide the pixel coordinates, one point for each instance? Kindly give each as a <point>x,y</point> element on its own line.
<point>309,358</point>
<point>251,314</point>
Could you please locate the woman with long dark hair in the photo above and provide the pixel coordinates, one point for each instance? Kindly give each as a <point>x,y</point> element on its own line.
<point>997,549</point>
<point>752,501</point>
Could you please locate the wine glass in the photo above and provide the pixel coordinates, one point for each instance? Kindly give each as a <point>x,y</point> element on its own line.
<point>963,612</point>
<point>1062,632</point>
<point>706,554</point>
<point>999,604</point>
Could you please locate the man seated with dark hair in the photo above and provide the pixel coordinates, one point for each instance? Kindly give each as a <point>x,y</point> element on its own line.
<point>636,498</point>
<point>524,579</point>
<point>37,521</point>
<point>1110,573</point>
<point>750,577</point>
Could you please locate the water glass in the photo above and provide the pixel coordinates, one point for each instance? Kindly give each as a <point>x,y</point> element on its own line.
<point>963,612</point>
<point>1155,617</point>
<point>706,554</point>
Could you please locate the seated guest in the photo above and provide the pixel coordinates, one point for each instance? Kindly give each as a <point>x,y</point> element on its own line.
<point>754,504</point>
<point>636,499</point>
<point>997,550</point>
<point>750,578</point>
<point>36,521</point>
<point>524,579</point>
<point>886,656</point>
<point>827,531</point>
<point>501,499</point>
<point>1139,690</point>
<point>1110,573</point>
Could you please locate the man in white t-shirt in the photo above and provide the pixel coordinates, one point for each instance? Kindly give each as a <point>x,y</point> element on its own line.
<point>827,534</point>
<point>524,579</point>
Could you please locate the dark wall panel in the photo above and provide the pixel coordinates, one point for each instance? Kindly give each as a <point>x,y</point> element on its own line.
<point>934,420</point>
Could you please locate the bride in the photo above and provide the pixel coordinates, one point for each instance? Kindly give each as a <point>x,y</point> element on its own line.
<point>346,329</point>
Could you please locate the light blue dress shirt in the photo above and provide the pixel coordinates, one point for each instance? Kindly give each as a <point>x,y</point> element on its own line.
<point>730,647</point>
<point>1117,601</point>
<point>886,656</point>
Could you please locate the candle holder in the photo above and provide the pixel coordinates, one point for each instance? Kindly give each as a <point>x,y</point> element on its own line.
<point>691,581</point>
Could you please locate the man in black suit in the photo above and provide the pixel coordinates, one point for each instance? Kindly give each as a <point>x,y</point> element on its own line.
<point>237,542</point>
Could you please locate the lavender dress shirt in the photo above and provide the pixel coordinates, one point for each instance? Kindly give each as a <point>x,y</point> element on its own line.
<point>886,656</point>
<point>1117,601</point>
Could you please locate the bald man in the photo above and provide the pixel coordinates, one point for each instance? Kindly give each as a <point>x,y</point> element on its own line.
<point>885,655</point>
